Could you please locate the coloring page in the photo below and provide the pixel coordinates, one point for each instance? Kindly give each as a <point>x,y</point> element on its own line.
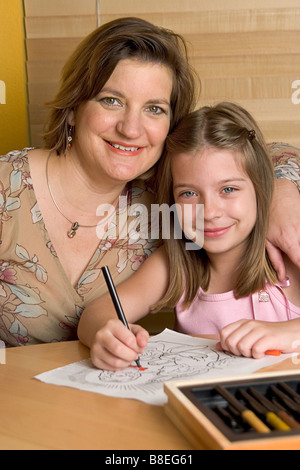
<point>168,356</point>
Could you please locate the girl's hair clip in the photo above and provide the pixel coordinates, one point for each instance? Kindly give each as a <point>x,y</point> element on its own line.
<point>251,134</point>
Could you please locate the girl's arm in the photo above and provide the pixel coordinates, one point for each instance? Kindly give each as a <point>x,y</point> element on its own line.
<point>284,230</point>
<point>252,338</point>
<point>112,345</point>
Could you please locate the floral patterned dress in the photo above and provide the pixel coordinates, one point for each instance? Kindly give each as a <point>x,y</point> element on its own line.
<point>37,302</point>
<point>286,160</point>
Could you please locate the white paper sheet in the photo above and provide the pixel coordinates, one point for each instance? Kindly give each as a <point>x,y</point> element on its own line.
<point>168,356</point>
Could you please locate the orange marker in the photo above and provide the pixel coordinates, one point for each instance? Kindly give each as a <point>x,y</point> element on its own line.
<point>273,352</point>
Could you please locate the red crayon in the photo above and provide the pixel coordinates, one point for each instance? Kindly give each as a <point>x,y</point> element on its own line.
<point>273,352</point>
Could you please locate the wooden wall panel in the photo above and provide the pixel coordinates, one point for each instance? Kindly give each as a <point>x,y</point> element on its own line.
<point>223,22</point>
<point>53,30</point>
<point>45,8</point>
<point>248,52</point>
<point>138,7</point>
<point>59,26</point>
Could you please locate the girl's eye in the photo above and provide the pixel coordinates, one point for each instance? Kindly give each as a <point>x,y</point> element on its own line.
<point>229,190</point>
<point>189,194</point>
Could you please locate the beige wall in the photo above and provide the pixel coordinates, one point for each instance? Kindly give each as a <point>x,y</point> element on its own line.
<point>243,51</point>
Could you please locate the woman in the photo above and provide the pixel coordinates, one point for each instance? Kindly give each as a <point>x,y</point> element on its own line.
<point>124,88</point>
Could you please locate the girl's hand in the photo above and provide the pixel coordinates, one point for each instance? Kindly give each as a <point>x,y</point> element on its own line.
<point>252,338</point>
<point>115,347</point>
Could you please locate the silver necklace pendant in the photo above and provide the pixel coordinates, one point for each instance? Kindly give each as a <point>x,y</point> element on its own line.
<point>72,232</point>
<point>75,225</point>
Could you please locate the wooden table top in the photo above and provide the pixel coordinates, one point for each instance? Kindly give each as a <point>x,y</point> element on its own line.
<point>35,415</point>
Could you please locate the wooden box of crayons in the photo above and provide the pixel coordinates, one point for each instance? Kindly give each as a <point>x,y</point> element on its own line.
<point>261,411</point>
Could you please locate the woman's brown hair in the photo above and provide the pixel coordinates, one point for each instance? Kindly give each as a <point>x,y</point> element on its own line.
<point>95,59</point>
<point>224,126</point>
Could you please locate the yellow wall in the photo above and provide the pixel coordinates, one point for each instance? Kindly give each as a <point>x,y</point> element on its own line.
<point>13,113</point>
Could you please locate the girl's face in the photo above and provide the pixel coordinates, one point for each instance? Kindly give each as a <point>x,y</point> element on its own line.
<point>120,133</point>
<point>216,179</point>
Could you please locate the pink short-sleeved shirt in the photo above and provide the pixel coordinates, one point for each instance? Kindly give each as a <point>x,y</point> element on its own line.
<point>209,313</point>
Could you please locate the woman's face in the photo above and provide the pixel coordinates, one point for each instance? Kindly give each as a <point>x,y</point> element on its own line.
<point>120,133</point>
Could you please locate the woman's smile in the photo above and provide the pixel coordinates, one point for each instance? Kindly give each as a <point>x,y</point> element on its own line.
<point>124,149</point>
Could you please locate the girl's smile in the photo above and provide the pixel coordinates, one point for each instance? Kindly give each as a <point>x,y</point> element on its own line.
<point>216,232</point>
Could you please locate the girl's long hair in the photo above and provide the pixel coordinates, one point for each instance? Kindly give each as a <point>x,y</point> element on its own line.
<point>224,126</point>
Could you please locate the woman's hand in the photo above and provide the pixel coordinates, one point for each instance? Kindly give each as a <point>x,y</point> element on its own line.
<point>252,338</point>
<point>284,227</point>
<point>115,347</point>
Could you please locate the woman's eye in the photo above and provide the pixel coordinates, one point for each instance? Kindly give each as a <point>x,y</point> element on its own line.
<point>156,110</point>
<point>110,101</point>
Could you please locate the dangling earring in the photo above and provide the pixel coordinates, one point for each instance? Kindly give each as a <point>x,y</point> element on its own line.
<point>70,138</point>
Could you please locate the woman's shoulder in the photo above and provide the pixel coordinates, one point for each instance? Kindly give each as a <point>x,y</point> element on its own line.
<point>280,149</point>
<point>21,160</point>
<point>15,162</point>
<point>16,154</point>
<point>16,157</point>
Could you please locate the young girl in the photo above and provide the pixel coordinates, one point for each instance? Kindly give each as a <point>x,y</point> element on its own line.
<point>216,157</point>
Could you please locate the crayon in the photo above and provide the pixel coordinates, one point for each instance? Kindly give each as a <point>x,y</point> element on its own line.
<point>295,396</point>
<point>273,352</point>
<point>285,416</point>
<point>246,414</point>
<point>270,411</point>
<point>227,418</point>
<point>287,401</point>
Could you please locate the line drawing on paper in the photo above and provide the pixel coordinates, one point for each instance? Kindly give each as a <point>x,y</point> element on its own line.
<point>168,356</point>
<point>164,361</point>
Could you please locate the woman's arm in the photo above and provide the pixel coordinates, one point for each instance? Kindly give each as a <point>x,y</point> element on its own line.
<point>286,160</point>
<point>112,345</point>
<point>284,229</point>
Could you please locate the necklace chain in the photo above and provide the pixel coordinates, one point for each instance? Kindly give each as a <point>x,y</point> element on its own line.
<point>74,225</point>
